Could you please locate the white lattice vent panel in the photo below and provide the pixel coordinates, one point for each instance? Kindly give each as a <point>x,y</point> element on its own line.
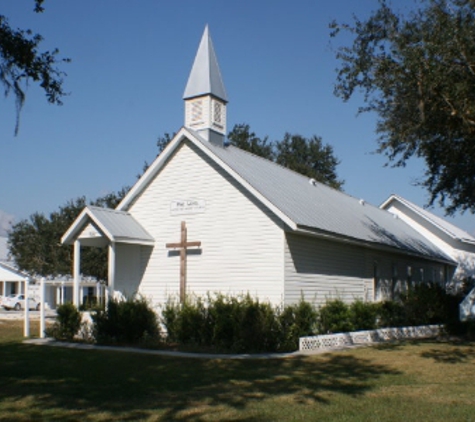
<point>332,341</point>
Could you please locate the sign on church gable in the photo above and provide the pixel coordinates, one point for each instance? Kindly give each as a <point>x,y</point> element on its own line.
<point>187,206</point>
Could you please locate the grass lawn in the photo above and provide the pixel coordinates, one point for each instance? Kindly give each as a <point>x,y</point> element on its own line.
<point>419,381</point>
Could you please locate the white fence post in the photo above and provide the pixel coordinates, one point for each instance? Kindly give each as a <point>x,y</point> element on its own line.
<point>42,308</point>
<point>26,328</point>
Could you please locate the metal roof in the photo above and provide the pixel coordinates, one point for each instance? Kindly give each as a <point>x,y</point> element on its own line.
<point>304,205</point>
<point>440,223</point>
<point>313,206</point>
<point>8,273</point>
<point>205,77</point>
<point>117,226</point>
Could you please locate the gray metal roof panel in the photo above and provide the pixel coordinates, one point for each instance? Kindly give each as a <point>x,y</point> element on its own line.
<point>319,207</point>
<point>120,224</point>
<point>205,77</point>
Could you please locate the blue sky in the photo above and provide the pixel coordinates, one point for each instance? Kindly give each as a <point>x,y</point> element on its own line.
<point>130,64</point>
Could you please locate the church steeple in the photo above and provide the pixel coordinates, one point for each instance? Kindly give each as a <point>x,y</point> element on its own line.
<point>205,96</point>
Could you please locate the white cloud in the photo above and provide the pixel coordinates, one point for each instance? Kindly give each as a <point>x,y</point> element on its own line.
<point>6,221</point>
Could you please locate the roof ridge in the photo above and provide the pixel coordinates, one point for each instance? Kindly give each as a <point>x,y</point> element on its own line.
<point>108,209</point>
<point>448,227</point>
<point>308,178</point>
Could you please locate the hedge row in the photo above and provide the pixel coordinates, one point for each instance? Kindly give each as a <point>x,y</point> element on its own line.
<point>245,324</point>
<point>238,324</point>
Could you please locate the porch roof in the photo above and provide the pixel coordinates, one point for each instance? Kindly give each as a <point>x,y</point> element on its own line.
<point>7,273</point>
<point>115,226</point>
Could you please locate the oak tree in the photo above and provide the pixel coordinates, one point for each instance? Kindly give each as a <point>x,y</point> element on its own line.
<point>21,61</point>
<point>416,71</point>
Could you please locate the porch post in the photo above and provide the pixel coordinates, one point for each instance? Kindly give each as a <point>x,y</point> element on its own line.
<point>76,272</point>
<point>111,275</point>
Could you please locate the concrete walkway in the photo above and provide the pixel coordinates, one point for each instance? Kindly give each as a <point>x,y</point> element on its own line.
<point>171,353</point>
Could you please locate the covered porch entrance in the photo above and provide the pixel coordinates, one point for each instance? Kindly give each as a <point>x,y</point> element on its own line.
<point>99,227</point>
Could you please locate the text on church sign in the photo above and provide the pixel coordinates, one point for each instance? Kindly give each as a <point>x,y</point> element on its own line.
<point>187,206</point>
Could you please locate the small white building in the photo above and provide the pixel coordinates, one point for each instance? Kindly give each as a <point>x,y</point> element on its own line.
<point>208,217</point>
<point>11,279</point>
<point>454,242</point>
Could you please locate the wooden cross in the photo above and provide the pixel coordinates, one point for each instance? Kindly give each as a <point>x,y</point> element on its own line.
<point>183,245</point>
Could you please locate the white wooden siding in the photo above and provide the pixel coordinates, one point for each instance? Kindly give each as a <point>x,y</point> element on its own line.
<point>322,269</point>
<point>241,243</point>
<point>128,269</point>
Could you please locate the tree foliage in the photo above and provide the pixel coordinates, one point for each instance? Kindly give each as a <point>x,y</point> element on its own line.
<point>242,137</point>
<point>310,157</point>
<point>35,243</point>
<point>417,73</point>
<point>21,61</point>
<point>307,156</point>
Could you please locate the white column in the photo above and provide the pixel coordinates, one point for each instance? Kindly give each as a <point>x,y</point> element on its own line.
<point>42,307</point>
<point>26,331</point>
<point>98,293</point>
<point>111,269</point>
<point>76,272</point>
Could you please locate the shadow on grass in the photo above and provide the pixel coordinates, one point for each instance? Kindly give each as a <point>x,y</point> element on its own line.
<point>396,345</point>
<point>64,384</point>
<point>459,353</point>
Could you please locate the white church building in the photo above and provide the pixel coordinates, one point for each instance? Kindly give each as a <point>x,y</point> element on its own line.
<point>208,217</point>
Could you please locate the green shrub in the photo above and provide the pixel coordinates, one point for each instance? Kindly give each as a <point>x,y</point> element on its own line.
<point>237,324</point>
<point>426,304</point>
<point>224,316</point>
<point>242,324</point>
<point>169,319</point>
<point>67,324</point>
<point>187,322</point>
<point>295,321</point>
<point>130,321</point>
<point>193,322</point>
<point>334,317</point>
<point>390,314</point>
<point>258,328</point>
<point>453,325</point>
<point>363,315</point>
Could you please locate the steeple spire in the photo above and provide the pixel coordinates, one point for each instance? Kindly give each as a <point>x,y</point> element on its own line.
<point>205,77</point>
<point>205,96</point>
